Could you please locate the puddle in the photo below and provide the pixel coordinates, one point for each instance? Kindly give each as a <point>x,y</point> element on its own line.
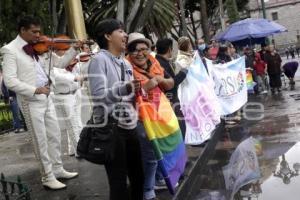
<point>279,164</point>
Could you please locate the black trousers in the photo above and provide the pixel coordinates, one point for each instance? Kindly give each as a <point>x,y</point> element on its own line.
<point>275,80</point>
<point>127,163</point>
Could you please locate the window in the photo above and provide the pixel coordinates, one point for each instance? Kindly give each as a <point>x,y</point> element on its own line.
<point>274,15</point>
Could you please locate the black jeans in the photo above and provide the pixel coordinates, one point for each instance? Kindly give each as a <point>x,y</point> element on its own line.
<point>275,80</point>
<point>127,163</point>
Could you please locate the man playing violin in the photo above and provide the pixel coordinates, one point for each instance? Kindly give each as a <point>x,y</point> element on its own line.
<point>27,74</point>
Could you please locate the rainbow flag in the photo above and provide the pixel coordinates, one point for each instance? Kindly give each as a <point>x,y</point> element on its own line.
<point>249,81</point>
<point>163,131</point>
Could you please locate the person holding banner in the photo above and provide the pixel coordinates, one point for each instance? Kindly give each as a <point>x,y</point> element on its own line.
<point>163,56</point>
<point>185,54</point>
<point>223,55</point>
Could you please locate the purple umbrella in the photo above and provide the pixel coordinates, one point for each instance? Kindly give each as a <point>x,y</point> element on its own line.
<point>250,28</point>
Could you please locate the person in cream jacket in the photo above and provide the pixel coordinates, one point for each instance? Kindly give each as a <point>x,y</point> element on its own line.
<point>27,74</point>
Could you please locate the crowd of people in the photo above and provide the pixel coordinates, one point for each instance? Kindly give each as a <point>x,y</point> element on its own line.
<point>47,88</point>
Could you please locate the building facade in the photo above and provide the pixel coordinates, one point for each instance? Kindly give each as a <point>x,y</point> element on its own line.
<point>284,12</point>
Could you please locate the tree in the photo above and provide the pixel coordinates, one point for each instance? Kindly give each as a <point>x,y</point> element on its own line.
<point>11,8</point>
<point>204,20</point>
<point>148,16</point>
<point>232,11</point>
<point>50,12</point>
<point>182,17</point>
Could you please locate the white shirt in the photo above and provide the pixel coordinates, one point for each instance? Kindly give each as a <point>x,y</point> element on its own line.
<point>41,77</point>
<point>65,81</point>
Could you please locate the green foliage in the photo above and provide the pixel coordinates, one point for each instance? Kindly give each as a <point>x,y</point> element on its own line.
<point>5,117</point>
<point>159,20</point>
<point>232,11</point>
<point>12,10</point>
<point>212,5</point>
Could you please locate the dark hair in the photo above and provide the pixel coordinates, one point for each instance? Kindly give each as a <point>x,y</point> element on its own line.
<point>163,45</point>
<point>222,56</point>
<point>106,26</point>
<point>229,45</point>
<point>27,21</point>
<point>132,46</point>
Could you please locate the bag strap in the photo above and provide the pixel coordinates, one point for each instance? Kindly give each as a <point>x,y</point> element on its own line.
<point>122,72</point>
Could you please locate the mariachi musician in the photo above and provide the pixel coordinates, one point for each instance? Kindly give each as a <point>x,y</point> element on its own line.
<point>67,100</point>
<point>27,73</point>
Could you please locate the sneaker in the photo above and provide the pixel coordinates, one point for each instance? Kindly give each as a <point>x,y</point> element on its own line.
<point>160,185</point>
<point>19,130</point>
<point>273,91</point>
<point>264,92</point>
<point>230,122</point>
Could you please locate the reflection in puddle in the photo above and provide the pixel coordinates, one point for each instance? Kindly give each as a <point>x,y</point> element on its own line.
<point>279,164</point>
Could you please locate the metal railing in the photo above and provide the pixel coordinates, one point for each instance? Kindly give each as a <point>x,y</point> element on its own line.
<point>11,190</point>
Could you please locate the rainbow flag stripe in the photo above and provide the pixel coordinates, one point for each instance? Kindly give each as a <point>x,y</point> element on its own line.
<point>249,81</point>
<point>163,131</point>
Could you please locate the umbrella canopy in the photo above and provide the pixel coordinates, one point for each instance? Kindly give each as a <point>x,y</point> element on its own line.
<point>250,28</point>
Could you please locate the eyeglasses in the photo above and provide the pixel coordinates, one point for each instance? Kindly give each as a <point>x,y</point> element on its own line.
<point>144,51</point>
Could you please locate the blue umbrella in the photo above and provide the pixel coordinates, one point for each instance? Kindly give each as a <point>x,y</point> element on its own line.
<point>250,28</point>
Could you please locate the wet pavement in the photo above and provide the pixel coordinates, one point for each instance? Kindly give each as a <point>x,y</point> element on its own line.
<point>277,131</point>
<point>274,122</point>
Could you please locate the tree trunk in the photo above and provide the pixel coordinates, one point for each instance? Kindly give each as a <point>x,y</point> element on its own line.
<point>53,16</point>
<point>132,13</point>
<point>146,12</point>
<point>120,10</point>
<point>222,14</point>
<point>62,23</point>
<point>204,21</point>
<point>193,25</point>
<point>182,18</point>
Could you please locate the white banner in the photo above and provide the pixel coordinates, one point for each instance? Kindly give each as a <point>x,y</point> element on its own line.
<point>243,167</point>
<point>230,84</point>
<point>199,103</point>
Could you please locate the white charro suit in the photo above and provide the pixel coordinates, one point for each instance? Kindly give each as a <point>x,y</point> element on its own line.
<point>67,105</point>
<point>20,75</point>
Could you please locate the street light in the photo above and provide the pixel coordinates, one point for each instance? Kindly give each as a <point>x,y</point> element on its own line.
<point>263,8</point>
<point>285,172</point>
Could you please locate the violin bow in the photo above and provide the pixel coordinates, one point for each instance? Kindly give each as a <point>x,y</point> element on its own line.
<point>51,48</point>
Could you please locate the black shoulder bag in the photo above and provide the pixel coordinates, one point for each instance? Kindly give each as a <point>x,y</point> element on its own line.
<point>98,144</point>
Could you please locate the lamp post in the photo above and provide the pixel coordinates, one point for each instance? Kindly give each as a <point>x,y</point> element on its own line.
<point>263,7</point>
<point>285,172</point>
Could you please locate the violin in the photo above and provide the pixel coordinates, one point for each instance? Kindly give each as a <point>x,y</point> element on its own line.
<point>61,42</point>
<point>82,57</point>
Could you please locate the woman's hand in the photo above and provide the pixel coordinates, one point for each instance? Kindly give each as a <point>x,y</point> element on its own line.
<point>159,79</point>
<point>152,83</point>
<point>165,83</point>
<point>133,86</point>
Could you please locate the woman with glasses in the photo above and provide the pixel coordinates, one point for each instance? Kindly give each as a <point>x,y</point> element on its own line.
<point>147,70</point>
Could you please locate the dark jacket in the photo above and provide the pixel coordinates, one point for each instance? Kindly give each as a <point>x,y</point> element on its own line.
<point>6,92</point>
<point>273,63</point>
<point>172,94</point>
